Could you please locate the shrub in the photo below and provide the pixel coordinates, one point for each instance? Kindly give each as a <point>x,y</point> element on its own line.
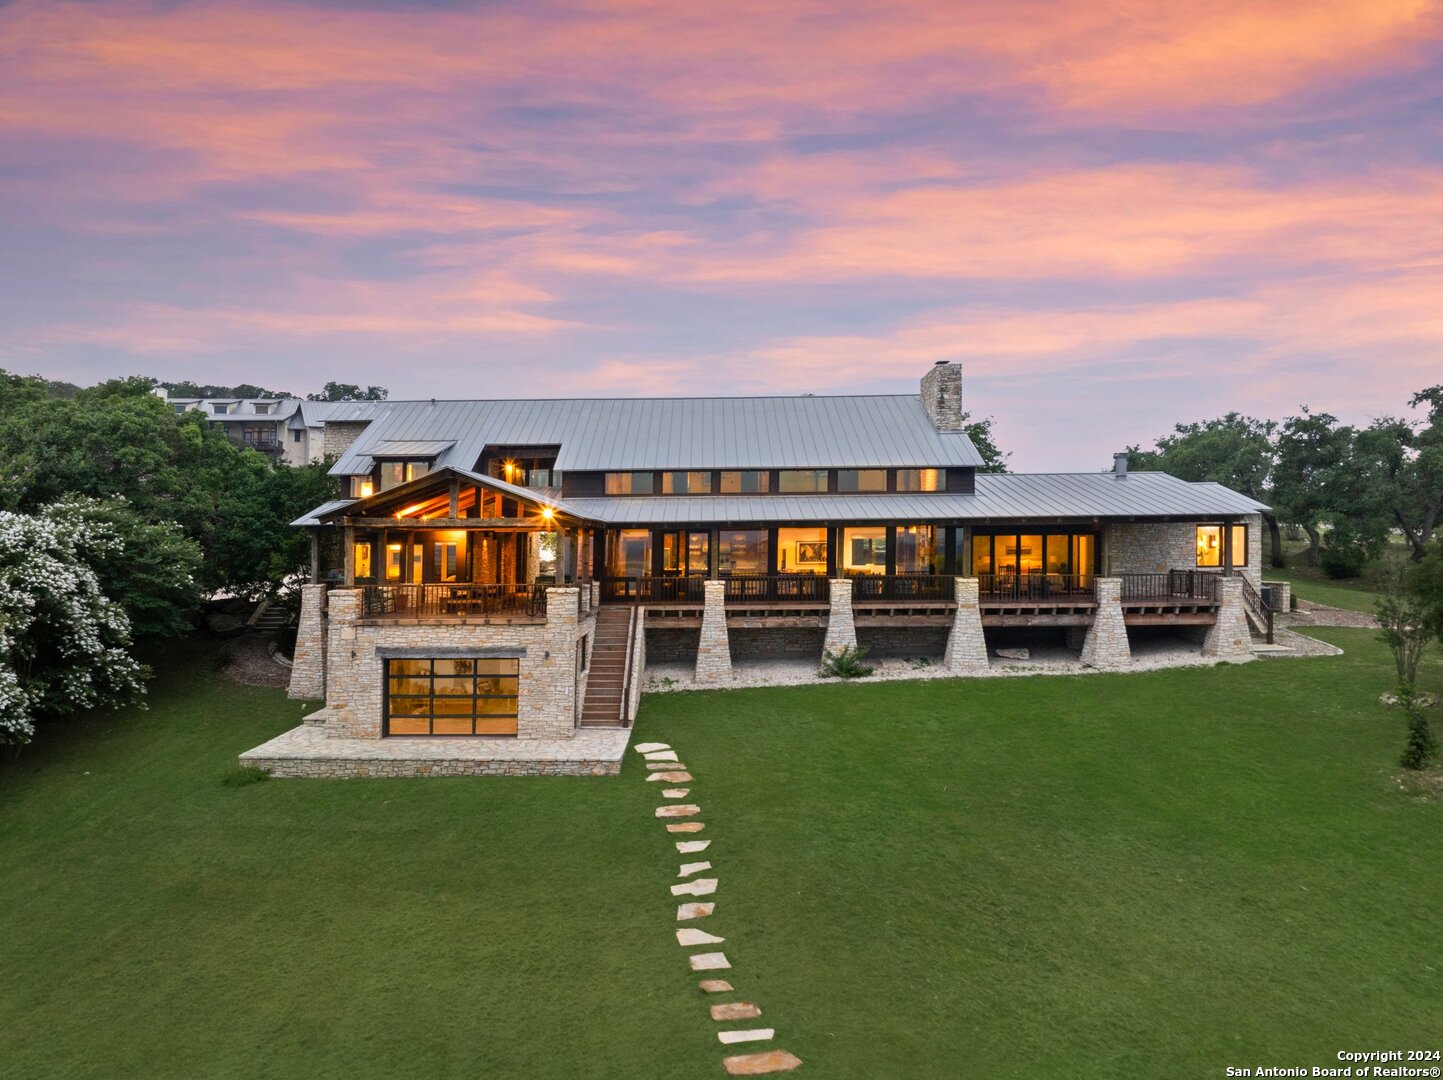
<point>847,663</point>
<point>243,775</point>
<point>1343,560</point>
<point>1421,747</point>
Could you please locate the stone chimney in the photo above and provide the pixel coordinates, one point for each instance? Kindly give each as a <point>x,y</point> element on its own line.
<point>1119,466</point>
<point>942,395</point>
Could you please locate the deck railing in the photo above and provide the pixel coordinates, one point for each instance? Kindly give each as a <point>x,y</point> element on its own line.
<point>453,599</point>
<point>778,589</point>
<point>1040,588</point>
<point>902,587</point>
<point>672,589</point>
<point>1172,585</point>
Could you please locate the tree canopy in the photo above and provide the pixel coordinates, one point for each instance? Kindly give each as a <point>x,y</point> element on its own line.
<point>334,391</point>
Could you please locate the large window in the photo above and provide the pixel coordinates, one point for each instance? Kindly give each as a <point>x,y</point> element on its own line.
<point>802,480</point>
<point>630,483</point>
<point>1210,545</point>
<point>362,487</point>
<point>742,551</point>
<point>917,549</point>
<point>802,551</point>
<point>1030,554</point>
<point>921,480</point>
<point>853,480</point>
<point>396,473</point>
<point>628,553</point>
<point>474,696</point>
<point>745,482</point>
<point>686,483</point>
<point>685,553</point>
<point>864,551</point>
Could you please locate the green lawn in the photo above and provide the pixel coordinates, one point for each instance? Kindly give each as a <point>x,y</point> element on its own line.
<point>1353,594</point>
<point>1108,876</point>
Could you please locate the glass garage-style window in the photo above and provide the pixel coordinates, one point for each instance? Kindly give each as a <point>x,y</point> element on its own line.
<point>742,551</point>
<point>452,696</point>
<point>864,550</point>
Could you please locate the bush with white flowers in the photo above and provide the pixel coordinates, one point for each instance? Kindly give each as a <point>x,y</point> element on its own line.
<point>64,645</point>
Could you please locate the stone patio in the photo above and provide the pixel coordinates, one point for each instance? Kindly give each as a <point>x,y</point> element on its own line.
<point>307,751</point>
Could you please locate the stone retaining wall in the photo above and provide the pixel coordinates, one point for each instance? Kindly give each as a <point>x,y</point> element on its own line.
<point>903,642</point>
<point>761,643</point>
<point>346,768</point>
<point>671,644</point>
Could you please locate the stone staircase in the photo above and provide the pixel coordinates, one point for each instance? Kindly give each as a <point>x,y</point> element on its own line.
<point>604,704</point>
<point>269,617</point>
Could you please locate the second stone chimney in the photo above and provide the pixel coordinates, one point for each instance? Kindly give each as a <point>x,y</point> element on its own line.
<point>942,395</point>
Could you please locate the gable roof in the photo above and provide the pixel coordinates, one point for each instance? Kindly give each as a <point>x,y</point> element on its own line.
<point>329,511</point>
<point>617,434</point>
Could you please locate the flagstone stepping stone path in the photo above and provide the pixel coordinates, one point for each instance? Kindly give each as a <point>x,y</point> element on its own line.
<point>662,764</point>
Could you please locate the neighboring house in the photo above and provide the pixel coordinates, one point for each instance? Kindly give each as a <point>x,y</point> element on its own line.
<point>287,429</point>
<point>700,529</point>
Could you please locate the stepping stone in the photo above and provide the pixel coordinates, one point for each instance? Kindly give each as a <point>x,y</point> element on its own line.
<point>685,826</point>
<point>693,911</point>
<point>1014,654</point>
<point>662,755</point>
<point>648,747</point>
<point>772,1061</point>
<point>737,1010</point>
<point>709,961</point>
<point>716,986</point>
<point>670,777</point>
<point>702,886</point>
<point>672,764</point>
<point>750,1035</point>
<point>688,847</point>
<point>689,868</point>
<point>687,937</point>
<point>674,793</point>
<point>684,810</point>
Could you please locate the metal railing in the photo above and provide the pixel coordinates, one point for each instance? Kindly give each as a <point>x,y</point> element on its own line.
<point>1262,612</point>
<point>1172,585</point>
<point>1058,588</point>
<point>778,589</point>
<point>453,599</point>
<point>902,587</point>
<point>654,590</point>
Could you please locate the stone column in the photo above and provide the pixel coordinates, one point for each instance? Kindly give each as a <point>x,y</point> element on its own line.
<point>1105,646</point>
<point>966,644</point>
<point>1229,638</point>
<point>714,650</point>
<point>549,683</point>
<point>353,704</point>
<point>308,671</point>
<point>841,630</point>
<point>1282,595</point>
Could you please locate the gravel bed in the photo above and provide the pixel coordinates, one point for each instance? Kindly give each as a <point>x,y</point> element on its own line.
<point>251,662</point>
<point>1044,660</point>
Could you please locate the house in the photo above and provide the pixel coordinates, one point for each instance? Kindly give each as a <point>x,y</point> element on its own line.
<point>286,429</point>
<point>485,595</point>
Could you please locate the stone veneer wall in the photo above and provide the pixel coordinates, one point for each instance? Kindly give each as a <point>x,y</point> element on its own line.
<point>766,643</point>
<point>671,644</point>
<point>308,668</point>
<point>549,684</point>
<point>1155,547</point>
<point>903,642</point>
<point>340,768</point>
<point>638,668</point>
<point>339,435</point>
<point>841,628</point>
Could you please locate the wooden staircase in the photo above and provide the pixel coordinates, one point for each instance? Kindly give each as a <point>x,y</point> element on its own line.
<point>606,682</point>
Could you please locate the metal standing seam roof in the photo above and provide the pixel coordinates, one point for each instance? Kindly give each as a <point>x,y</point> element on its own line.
<point>597,434</point>
<point>999,497</point>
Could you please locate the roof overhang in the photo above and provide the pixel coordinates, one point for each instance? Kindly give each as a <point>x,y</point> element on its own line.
<point>542,505</point>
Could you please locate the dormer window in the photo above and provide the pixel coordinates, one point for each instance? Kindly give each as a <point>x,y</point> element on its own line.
<point>263,408</point>
<point>396,473</point>
<point>220,410</point>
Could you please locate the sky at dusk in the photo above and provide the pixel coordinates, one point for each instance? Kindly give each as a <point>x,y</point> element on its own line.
<point>1115,215</point>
